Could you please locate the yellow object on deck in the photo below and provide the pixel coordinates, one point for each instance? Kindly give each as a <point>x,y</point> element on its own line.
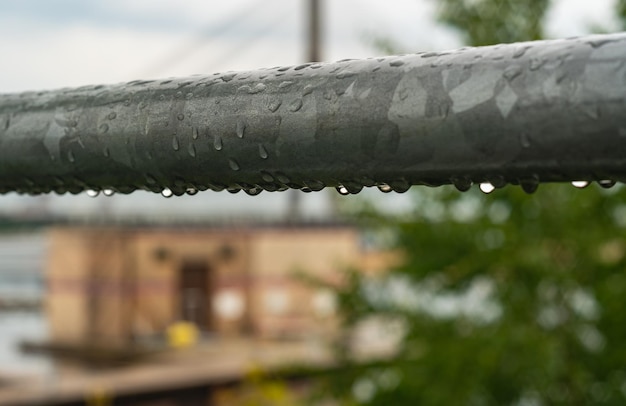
<point>182,334</point>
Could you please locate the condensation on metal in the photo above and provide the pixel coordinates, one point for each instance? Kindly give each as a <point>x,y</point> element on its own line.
<point>521,113</point>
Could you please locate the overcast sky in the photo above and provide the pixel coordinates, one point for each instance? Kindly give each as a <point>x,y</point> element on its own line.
<point>48,44</point>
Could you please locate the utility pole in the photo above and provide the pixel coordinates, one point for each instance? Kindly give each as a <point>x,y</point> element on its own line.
<point>313,55</point>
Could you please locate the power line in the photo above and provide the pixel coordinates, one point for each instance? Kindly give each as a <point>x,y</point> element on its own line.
<point>204,37</point>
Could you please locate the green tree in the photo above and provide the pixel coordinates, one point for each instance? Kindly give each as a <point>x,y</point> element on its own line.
<point>501,299</point>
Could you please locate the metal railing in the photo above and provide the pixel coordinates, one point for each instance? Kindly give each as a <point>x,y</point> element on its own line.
<point>524,113</point>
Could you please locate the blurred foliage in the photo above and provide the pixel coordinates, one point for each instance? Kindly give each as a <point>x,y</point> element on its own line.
<point>259,389</point>
<point>487,22</point>
<point>502,299</point>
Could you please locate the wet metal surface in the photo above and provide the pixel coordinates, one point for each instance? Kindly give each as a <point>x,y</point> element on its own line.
<point>521,113</point>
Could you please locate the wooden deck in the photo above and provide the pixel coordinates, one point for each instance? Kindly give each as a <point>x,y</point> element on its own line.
<point>214,363</point>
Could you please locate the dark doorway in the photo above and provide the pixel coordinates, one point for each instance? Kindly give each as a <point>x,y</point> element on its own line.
<point>195,294</point>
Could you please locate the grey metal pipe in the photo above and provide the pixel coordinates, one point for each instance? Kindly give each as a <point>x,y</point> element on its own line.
<point>524,113</point>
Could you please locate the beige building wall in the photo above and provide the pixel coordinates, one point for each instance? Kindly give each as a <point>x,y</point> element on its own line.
<point>119,283</point>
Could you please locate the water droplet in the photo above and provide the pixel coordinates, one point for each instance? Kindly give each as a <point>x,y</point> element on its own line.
<point>127,102</point>
<point>258,88</point>
<point>607,183</point>
<point>285,84</point>
<point>580,184</point>
<point>308,89</point>
<point>191,191</point>
<point>106,152</point>
<point>175,143</point>
<point>524,140</point>
<point>233,164</point>
<point>345,74</point>
<point>167,192</point>
<point>511,72</point>
<point>315,185</point>
<point>108,192</point>
<point>342,190</point>
<point>103,128</point>
<point>295,105</point>
<point>253,191</point>
<point>519,52</point>
<point>217,143</point>
<point>162,97</point>
<point>267,177</point>
<point>282,178</point>
<point>92,193</point>
<point>241,128</point>
<point>195,133</point>
<point>536,63</point>
<point>396,63</point>
<point>112,115</point>
<point>70,156</point>
<point>462,184</point>
<point>400,185</point>
<point>188,96</point>
<point>486,187</point>
<point>273,106</point>
<point>233,189</point>
<point>353,187</point>
<point>262,152</point>
<point>600,42</point>
<point>180,117</point>
<point>192,150</point>
<point>529,185</point>
<point>497,181</point>
<point>592,111</point>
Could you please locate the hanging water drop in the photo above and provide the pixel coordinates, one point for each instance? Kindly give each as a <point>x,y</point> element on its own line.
<point>262,152</point>
<point>341,189</point>
<point>253,191</point>
<point>462,184</point>
<point>191,191</point>
<point>607,183</point>
<point>385,188</point>
<point>529,186</point>
<point>167,192</point>
<point>175,143</point>
<point>486,187</point>
<point>400,185</point>
<point>192,150</point>
<point>92,193</point>
<point>108,192</point>
<point>195,133</point>
<point>217,143</point>
<point>580,184</point>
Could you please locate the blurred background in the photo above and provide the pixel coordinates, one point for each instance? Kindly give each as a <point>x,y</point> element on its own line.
<point>431,297</point>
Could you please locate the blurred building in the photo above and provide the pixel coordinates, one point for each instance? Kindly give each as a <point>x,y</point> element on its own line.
<point>122,284</point>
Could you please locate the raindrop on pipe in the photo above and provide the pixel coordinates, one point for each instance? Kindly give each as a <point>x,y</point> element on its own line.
<point>607,183</point>
<point>580,184</point>
<point>92,193</point>
<point>341,189</point>
<point>486,187</point>
<point>108,192</point>
<point>167,192</point>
